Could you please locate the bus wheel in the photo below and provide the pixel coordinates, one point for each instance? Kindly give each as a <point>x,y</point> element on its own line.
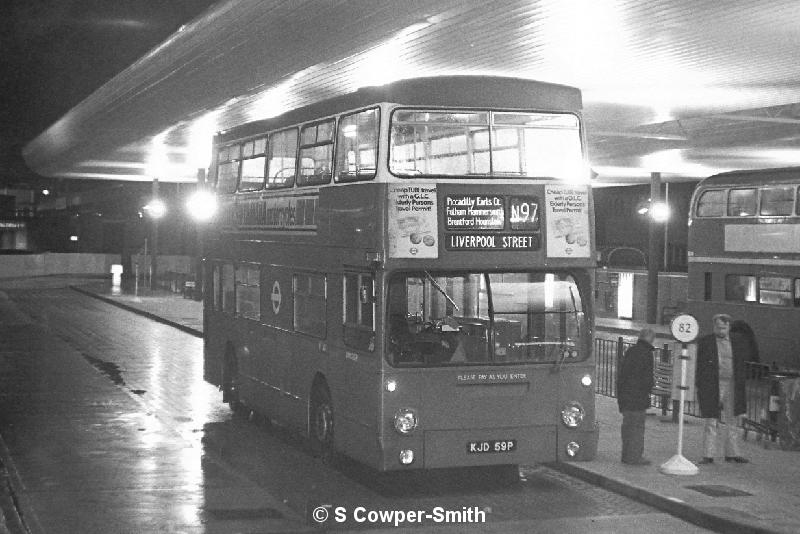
<point>230,393</point>
<point>321,424</point>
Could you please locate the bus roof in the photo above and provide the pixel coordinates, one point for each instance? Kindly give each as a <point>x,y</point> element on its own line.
<point>440,91</point>
<point>756,177</point>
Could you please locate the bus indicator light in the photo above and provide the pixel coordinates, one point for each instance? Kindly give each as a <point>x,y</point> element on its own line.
<point>572,449</point>
<point>406,456</point>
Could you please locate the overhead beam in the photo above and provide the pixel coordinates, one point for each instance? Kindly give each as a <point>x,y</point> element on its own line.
<point>639,135</point>
<point>757,118</point>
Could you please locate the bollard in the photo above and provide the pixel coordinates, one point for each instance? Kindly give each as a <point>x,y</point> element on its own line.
<point>116,278</point>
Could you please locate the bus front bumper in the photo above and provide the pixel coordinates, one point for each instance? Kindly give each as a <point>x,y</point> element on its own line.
<point>475,447</point>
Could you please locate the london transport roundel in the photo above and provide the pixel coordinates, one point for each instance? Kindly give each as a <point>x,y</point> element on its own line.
<point>684,328</point>
<point>275,297</point>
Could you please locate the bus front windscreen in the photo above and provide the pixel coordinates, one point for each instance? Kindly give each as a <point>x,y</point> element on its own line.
<point>438,318</point>
<point>485,143</point>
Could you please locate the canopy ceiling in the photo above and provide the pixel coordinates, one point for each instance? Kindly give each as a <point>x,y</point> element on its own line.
<point>683,87</point>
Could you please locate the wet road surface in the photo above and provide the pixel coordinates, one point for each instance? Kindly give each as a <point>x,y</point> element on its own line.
<point>109,427</point>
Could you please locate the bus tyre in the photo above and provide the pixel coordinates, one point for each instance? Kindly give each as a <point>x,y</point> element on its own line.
<point>321,424</point>
<point>230,393</point>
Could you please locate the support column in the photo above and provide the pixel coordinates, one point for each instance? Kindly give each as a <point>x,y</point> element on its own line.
<point>199,277</point>
<point>154,241</point>
<point>654,251</point>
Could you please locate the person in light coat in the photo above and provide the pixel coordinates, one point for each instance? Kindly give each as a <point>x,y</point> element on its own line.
<point>720,381</point>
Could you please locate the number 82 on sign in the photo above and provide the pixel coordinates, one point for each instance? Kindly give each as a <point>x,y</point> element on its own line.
<point>684,328</point>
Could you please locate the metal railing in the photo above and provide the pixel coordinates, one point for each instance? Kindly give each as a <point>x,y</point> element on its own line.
<point>608,353</point>
<point>763,390</point>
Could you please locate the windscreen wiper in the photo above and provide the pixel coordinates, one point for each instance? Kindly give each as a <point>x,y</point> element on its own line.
<point>442,291</point>
<point>564,352</point>
<point>575,312</point>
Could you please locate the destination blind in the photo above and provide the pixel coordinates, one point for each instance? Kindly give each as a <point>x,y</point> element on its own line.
<point>470,241</point>
<point>479,222</point>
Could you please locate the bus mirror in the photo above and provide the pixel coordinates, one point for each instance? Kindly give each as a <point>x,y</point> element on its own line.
<point>365,295</point>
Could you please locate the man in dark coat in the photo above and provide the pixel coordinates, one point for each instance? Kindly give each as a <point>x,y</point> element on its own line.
<point>720,381</point>
<point>634,383</point>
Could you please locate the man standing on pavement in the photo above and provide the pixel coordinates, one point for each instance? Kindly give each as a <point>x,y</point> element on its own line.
<point>720,381</point>
<point>634,383</point>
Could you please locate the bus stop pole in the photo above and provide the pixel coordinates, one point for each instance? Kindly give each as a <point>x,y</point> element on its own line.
<point>678,465</point>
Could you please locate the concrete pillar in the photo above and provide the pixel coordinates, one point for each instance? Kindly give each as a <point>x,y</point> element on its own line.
<point>653,251</point>
<point>154,240</point>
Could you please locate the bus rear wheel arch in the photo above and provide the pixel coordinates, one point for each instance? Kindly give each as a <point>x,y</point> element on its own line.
<point>321,420</point>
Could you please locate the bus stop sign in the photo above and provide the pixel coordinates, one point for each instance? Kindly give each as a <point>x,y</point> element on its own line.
<point>684,328</point>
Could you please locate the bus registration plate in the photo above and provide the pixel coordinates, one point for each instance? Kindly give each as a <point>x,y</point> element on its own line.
<point>492,445</point>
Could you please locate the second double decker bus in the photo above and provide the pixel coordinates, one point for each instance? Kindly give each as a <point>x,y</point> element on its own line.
<point>405,274</point>
<point>744,257</point>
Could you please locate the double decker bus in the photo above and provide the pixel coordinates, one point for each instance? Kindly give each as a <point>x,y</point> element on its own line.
<point>404,274</point>
<point>744,257</point>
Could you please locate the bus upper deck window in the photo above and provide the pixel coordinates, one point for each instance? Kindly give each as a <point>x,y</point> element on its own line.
<point>711,203</point>
<point>357,146</point>
<point>742,202</point>
<point>282,161</point>
<point>228,169</point>
<point>316,153</point>
<point>777,201</point>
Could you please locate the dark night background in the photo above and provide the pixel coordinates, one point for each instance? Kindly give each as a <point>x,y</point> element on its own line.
<point>56,52</point>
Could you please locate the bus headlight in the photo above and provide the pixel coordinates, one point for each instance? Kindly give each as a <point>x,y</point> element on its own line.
<point>405,420</point>
<point>572,414</point>
<point>586,380</point>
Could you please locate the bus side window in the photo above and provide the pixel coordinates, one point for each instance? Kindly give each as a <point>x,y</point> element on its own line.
<point>357,146</point>
<point>215,288</point>
<point>742,202</point>
<point>775,290</point>
<point>740,288</point>
<point>711,203</point>
<point>228,290</point>
<point>309,304</point>
<point>707,286</point>
<point>228,162</point>
<point>359,311</point>
<point>282,164</point>
<point>316,153</point>
<point>248,292</point>
<point>777,201</point>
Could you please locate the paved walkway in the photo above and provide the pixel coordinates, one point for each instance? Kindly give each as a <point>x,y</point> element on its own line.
<point>771,482</point>
<point>115,445</point>
<point>767,490</point>
<point>160,305</point>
